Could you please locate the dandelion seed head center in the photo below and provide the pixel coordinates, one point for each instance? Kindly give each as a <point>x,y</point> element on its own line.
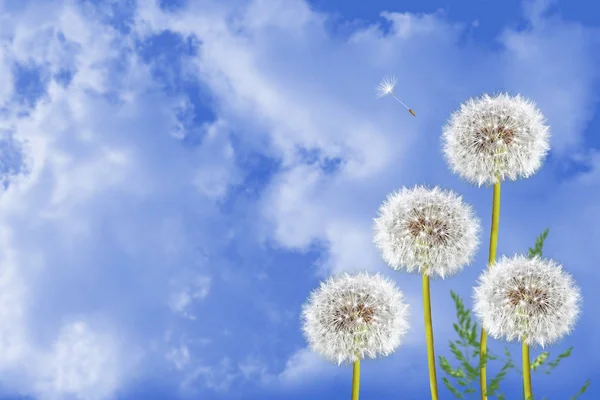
<point>348,316</point>
<point>432,229</point>
<point>488,138</point>
<point>534,299</point>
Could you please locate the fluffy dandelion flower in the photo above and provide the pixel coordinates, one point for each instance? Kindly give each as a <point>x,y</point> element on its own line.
<point>494,138</point>
<point>531,300</point>
<point>351,317</point>
<point>429,231</point>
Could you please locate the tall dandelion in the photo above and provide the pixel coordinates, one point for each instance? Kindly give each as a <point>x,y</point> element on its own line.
<point>386,88</point>
<point>488,140</point>
<point>354,316</point>
<point>431,232</point>
<point>531,300</point>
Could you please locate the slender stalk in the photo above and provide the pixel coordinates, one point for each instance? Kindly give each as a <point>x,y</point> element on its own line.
<point>356,379</point>
<point>399,101</point>
<point>491,262</point>
<point>526,372</point>
<point>429,337</point>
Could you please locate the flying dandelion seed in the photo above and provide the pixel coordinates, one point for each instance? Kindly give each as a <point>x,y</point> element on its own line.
<point>386,88</point>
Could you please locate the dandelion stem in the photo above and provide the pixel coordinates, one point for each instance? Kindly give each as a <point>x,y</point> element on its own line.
<point>429,337</point>
<point>526,372</point>
<point>491,262</point>
<point>356,379</point>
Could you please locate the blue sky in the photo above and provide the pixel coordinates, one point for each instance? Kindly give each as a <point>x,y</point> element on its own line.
<point>177,176</point>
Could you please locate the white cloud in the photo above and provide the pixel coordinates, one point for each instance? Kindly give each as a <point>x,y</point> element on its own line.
<point>84,363</point>
<point>6,87</point>
<point>100,224</point>
<point>553,62</point>
<point>304,365</point>
<point>179,356</point>
<point>13,310</point>
<point>183,298</point>
<point>218,377</point>
<point>218,172</point>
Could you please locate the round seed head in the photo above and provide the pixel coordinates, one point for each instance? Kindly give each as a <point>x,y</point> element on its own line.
<point>491,139</point>
<point>527,299</point>
<point>354,316</point>
<point>426,230</point>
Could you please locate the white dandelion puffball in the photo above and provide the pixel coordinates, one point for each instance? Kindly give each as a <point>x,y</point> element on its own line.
<point>429,231</point>
<point>494,138</point>
<point>353,316</point>
<point>527,299</point>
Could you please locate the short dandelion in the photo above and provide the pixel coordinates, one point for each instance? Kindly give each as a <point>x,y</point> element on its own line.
<point>488,140</point>
<point>431,232</point>
<point>355,316</point>
<point>386,88</point>
<point>531,300</point>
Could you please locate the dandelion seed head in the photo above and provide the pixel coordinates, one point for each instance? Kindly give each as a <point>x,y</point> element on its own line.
<point>527,299</point>
<point>355,316</point>
<point>495,138</point>
<point>426,230</point>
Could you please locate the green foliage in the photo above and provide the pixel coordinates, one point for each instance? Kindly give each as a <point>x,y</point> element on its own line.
<point>539,360</point>
<point>494,383</point>
<point>539,245</point>
<point>581,391</point>
<point>561,356</point>
<point>460,380</point>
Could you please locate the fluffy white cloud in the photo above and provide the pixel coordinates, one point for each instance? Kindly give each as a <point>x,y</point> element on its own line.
<point>99,227</point>
<point>305,365</point>
<point>84,363</point>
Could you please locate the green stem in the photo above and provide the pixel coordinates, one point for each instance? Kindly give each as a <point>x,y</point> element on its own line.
<point>491,262</point>
<point>429,337</point>
<point>526,372</point>
<point>356,379</point>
